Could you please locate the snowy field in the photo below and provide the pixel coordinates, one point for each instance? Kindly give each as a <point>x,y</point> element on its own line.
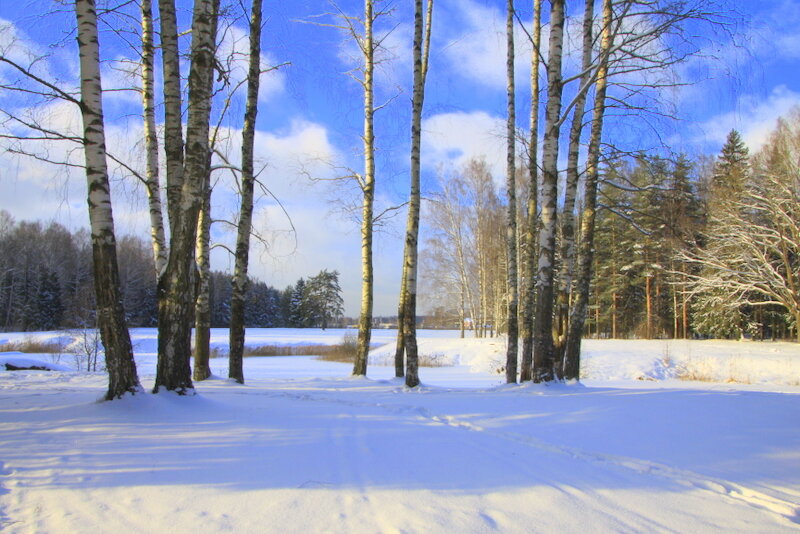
<point>303,447</point>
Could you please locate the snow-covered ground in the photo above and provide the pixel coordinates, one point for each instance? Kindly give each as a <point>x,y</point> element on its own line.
<point>303,447</point>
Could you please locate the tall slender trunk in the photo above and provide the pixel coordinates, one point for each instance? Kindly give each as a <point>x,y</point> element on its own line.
<point>685,311</point>
<point>202,312</point>
<point>528,278</point>
<point>368,191</point>
<point>421,50</point>
<point>462,268</point>
<point>597,315</point>
<point>543,326</point>
<point>675,308</point>
<point>400,346</point>
<point>239,289</point>
<point>614,315</point>
<point>122,377</point>
<point>462,316</point>
<point>648,299</point>
<point>483,288</point>
<point>572,360</point>
<point>157,235</point>
<point>511,213</point>
<point>567,269</point>
<point>173,123</point>
<point>175,288</point>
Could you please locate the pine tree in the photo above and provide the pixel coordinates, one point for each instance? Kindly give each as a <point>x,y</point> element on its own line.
<point>322,300</point>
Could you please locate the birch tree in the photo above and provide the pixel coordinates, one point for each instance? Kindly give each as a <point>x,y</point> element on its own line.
<point>528,290</point>
<point>202,304</point>
<point>176,293</point>
<point>567,253</point>
<point>571,359</point>
<point>543,326</point>
<point>511,208</point>
<point>368,46</point>
<point>152,182</point>
<point>122,377</point>
<point>408,298</point>
<point>240,279</point>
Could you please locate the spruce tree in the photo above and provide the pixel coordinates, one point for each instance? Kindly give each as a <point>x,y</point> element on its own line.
<point>712,314</point>
<point>297,311</point>
<point>730,171</point>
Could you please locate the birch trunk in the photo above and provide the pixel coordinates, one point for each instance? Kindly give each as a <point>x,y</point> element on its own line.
<point>239,289</point>
<point>543,326</point>
<point>462,316</point>
<point>122,377</point>
<point>572,351</point>
<point>175,288</point>
<point>173,121</point>
<point>529,265</point>
<point>202,312</point>
<point>421,49</point>
<point>400,347</point>
<point>567,268</point>
<point>368,190</point>
<point>152,185</point>
<point>511,213</point>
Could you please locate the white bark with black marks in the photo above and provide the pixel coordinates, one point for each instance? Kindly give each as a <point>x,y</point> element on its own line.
<point>368,191</point>
<point>572,351</point>
<point>152,185</point>
<point>511,213</point>
<point>567,268</point>
<point>411,255</point>
<point>173,118</point>
<point>240,281</point>
<point>528,290</point>
<point>543,325</point>
<point>122,377</point>
<point>176,285</point>
<point>202,305</point>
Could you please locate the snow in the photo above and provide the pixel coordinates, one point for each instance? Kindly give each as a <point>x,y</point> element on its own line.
<point>17,359</point>
<point>303,447</point>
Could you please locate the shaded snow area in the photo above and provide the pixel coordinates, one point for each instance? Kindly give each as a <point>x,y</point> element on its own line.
<point>303,447</point>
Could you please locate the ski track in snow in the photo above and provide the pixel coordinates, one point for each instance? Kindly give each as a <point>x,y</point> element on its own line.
<point>783,508</point>
<point>354,454</point>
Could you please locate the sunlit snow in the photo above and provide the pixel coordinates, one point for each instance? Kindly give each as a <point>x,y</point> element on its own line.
<point>304,447</point>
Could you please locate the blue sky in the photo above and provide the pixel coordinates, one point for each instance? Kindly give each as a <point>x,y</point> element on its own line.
<point>310,119</point>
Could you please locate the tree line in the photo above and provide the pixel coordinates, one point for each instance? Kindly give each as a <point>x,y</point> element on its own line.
<point>684,249</point>
<point>46,283</point>
<point>706,249</point>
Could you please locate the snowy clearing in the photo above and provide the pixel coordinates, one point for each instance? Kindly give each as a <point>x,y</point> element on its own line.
<point>302,447</point>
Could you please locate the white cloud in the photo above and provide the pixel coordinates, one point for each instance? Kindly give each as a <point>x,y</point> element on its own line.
<point>476,50</point>
<point>754,117</point>
<point>455,138</point>
<point>15,44</point>
<point>776,31</point>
